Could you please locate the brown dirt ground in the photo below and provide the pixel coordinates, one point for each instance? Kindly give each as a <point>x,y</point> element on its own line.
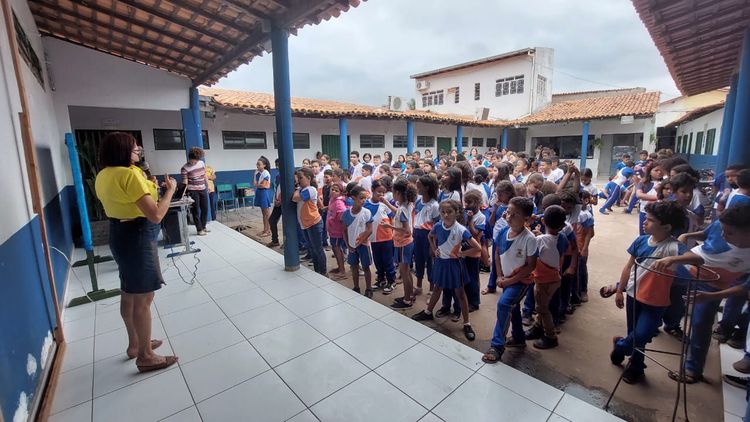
<point>580,365</point>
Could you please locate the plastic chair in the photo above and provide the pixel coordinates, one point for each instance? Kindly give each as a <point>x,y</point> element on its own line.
<point>225,194</point>
<point>245,191</point>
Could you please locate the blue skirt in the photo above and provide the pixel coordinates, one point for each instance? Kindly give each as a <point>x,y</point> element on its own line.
<point>263,198</point>
<point>448,273</point>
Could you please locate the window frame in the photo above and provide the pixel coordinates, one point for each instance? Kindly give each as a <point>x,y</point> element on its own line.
<point>710,140</point>
<point>477,142</point>
<point>422,144</point>
<point>477,91</point>
<point>294,140</point>
<point>403,138</point>
<point>245,145</point>
<point>698,143</point>
<point>370,144</point>
<point>491,144</point>
<point>181,133</point>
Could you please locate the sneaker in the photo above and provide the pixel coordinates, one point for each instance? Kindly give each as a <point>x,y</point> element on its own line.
<point>401,304</point>
<point>742,365</point>
<point>423,316</point>
<point>469,332</point>
<point>616,356</point>
<point>389,288</point>
<point>545,342</point>
<point>739,382</point>
<point>456,316</point>
<point>736,343</point>
<point>511,342</point>
<point>527,320</point>
<point>442,313</point>
<point>534,333</point>
<point>720,334</point>
<point>356,290</point>
<point>272,244</point>
<point>368,293</point>
<point>202,233</point>
<point>631,375</point>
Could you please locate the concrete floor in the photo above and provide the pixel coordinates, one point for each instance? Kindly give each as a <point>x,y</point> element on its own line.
<point>580,365</point>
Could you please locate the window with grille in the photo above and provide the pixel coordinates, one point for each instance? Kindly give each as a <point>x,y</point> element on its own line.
<point>464,141</point>
<point>372,141</point>
<point>509,86</point>
<point>457,97</point>
<point>299,140</point>
<point>174,139</point>
<point>425,142</point>
<point>491,142</point>
<point>400,141</point>
<point>432,98</point>
<point>476,91</point>
<point>477,142</point>
<point>541,86</point>
<point>234,139</point>
<point>699,143</point>
<point>710,139</point>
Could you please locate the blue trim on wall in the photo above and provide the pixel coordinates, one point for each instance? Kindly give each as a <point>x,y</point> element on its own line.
<point>240,176</point>
<point>700,162</point>
<point>26,307</point>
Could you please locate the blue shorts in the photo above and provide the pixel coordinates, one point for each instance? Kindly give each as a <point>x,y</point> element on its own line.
<point>338,242</point>
<point>360,255</point>
<point>404,254</point>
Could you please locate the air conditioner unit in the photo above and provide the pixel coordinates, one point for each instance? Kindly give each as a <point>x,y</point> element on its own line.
<point>482,113</point>
<point>397,103</point>
<point>422,85</point>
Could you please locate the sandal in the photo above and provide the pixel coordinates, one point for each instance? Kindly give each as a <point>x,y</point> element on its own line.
<point>168,361</point>
<point>154,345</point>
<point>488,290</point>
<point>607,291</point>
<point>686,378</point>
<point>492,355</point>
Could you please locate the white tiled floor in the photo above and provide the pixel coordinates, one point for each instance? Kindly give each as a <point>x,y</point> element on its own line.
<point>257,343</point>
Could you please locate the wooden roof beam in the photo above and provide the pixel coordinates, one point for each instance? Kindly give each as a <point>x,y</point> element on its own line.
<point>95,28</point>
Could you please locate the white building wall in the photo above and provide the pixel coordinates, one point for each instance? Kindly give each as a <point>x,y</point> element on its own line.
<point>232,159</point>
<point>597,128</point>
<point>703,124</point>
<point>675,108</point>
<point>544,61</point>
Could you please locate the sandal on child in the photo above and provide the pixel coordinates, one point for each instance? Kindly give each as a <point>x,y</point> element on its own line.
<point>607,291</point>
<point>492,355</point>
<point>687,378</point>
<point>488,290</point>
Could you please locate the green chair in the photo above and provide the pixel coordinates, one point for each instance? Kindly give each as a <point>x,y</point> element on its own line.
<point>245,192</point>
<point>225,195</point>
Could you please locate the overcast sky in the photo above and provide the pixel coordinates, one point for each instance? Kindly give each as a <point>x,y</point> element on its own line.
<point>369,52</point>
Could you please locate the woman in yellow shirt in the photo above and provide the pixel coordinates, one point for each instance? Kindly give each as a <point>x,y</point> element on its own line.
<point>135,212</point>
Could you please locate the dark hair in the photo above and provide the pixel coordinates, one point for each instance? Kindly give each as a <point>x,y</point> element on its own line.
<point>367,154</point>
<point>367,167</point>
<point>551,199</point>
<point>455,175</point>
<point>554,217</point>
<point>554,158</point>
<point>473,195</point>
<point>413,164</point>
<point>682,180</point>
<point>356,190</point>
<point>195,153</point>
<point>456,206</point>
<point>505,186</point>
<point>535,178</point>
<point>525,205</point>
<point>407,190</point>
<point>587,173</point>
<point>349,187</point>
<point>338,172</point>
<point>337,161</point>
<point>385,181</point>
<point>115,150</point>
<point>735,167</point>
<point>743,178</point>
<point>328,172</point>
<point>668,163</point>
<point>547,161</point>
<point>277,162</point>
<point>668,212</point>
<point>430,185</point>
<point>265,162</point>
<point>503,172</point>
<point>585,195</point>
<point>548,187</point>
<point>644,152</point>
<point>308,173</point>
<point>417,172</point>
<point>686,168</point>
<point>355,152</point>
<point>737,216</point>
<point>568,196</point>
<point>466,171</point>
<point>315,161</point>
<point>660,188</point>
<point>480,175</point>
<point>390,156</point>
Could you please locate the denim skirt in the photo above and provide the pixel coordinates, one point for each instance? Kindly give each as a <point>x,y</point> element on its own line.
<point>133,246</point>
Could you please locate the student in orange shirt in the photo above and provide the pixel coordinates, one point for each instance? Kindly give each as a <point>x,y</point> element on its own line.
<point>306,197</point>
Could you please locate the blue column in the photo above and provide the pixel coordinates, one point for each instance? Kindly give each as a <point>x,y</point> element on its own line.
<point>739,148</point>
<point>344,142</point>
<point>726,128</point>
<point>505,138</point>
<point>409,136</point>
<point>584,144</point>
<point>191,128</point>
<point>459,138</point>
<point>283,106</point>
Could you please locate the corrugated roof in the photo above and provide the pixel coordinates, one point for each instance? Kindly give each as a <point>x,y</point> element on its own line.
<point>698,112</point>
<point>637,105</point>
<point>262,103</point>
<point>200,39</point>
<point>700,40</point>
<point>473,63</point>
<point>634,104</point>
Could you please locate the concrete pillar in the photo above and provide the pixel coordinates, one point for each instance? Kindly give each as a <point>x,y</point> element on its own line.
<point>726,129</point>
<point>409,136</point>
<point>739,148</point>
<point>584,144</point>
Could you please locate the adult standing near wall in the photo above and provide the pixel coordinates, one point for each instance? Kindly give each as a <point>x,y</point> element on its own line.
<point>194,176</point>
<point>134,211</point>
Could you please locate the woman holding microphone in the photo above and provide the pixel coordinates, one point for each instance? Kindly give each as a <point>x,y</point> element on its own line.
<point>135,211</point>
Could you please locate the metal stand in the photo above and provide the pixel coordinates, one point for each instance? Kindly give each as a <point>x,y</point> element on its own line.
<point>183,204</point>
<point>687,322</point>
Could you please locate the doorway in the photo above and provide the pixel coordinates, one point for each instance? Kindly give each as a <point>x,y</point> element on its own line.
<point>331,146</point>
<point>444,144</point>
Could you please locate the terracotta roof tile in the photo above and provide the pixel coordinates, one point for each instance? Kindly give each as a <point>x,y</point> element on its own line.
<point>637,105</point>
<point>698,112</point>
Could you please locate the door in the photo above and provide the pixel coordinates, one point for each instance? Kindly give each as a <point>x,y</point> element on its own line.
<point>618,152</point>
<point>330,145</point>
<point>444,144</point>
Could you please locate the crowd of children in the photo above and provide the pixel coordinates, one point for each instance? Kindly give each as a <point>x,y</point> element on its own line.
<point>528,221</point>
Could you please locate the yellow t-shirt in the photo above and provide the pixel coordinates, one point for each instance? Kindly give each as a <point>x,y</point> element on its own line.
<point>209,175</point>
<point>118,188</point>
